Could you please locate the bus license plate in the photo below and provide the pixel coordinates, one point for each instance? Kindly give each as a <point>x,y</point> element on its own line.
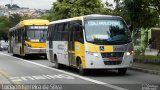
<point>113,59</point>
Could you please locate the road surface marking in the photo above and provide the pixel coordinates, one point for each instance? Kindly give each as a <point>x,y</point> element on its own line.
<point>41,77</point>
<point>7,75</point>
<point>75,75</point>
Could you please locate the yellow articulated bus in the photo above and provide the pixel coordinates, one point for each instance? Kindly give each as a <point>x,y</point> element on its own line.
<point>28,37</point>
<point>90,42</point>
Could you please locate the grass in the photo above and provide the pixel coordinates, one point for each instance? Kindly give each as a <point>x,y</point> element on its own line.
<point>144,57</point>
<point>147,59</point>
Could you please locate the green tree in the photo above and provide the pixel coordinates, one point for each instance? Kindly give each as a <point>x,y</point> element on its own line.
<point>4,27</point>
<point>156,5</point>
<point>47,16</point>
<point>120,10</point>
<point>141,14</point>
<point>70,8</point>
<point>6,23</point>
<point>14,6</point>
<point>15,19</point>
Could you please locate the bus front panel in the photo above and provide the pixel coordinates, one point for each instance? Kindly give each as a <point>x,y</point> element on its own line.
<point>108,57</point>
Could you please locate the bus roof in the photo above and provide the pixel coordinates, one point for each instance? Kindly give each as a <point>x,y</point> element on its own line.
<point>30,22</point>
<point>33,22</point>
<point>66,20</point>
<point>85,16</point>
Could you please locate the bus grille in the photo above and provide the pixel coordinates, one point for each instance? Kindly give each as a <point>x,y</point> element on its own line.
<point>113,58</point>
<point>112,54</point>
<point>112,62</point>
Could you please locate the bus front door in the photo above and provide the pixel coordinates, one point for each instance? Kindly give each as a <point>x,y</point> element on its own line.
<point>71,48</point>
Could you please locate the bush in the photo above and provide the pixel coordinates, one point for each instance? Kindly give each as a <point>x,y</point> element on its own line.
<point>137,52</point>
<point>147,59</point>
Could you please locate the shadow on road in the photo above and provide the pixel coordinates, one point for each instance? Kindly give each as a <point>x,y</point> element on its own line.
<point>31,57</point>
<point>95,73</point>
<point>92,73</point>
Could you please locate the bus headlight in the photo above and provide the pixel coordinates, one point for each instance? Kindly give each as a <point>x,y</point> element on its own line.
<point>28,45</point>
<point>95,54</point>
<point>129,53</point>
<point>92,53</point>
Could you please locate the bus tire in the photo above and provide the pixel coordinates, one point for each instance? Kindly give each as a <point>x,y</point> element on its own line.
<point>45,56</point>
<point>122,71</point>
<point>80,68</point>
<point>57,65</point>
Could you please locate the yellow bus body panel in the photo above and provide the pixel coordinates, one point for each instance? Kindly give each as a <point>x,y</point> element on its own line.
<point>96,48</point>
<point>35,22</point>
<point>79,52</point>
<point>36,44</point>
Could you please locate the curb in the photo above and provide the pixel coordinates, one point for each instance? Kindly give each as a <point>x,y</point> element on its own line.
<point>145,70</point>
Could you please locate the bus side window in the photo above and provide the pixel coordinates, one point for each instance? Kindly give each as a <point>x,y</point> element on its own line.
<point>60,31</point>
<point>79,33</point>
<point>16,36</point>
<point>65,32</point>
<point>55,32</point>
<point>24,34</point>
<point>79,36</point>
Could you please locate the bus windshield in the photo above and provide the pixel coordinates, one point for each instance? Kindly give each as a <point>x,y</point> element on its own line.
<point>37,35</point>
<point>107,32</point>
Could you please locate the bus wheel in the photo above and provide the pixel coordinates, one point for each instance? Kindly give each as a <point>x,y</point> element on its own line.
<point>81,70</point>
<point>122,71</point>
<point>45,56</point>
<point>57,65</point>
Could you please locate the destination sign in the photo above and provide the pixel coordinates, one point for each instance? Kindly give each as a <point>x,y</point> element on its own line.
<point>38,27</point>
<point>103,22</point>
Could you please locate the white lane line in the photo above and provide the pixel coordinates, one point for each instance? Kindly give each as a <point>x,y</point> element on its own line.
<point>75,75</point>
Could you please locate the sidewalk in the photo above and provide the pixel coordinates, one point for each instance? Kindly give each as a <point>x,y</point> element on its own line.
<point>153,52</point>
<point>147,68</point>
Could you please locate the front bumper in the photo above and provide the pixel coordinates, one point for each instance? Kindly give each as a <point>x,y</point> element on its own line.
<point>35,50</point>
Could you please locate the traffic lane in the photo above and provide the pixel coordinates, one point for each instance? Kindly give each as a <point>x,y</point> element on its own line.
<point>4,79</point>
<point>131,80</point>
<point>28,73</point>
<point>120,81</point>
<point>32,73</point>
<point>131,77</point>
<point>112,76</point>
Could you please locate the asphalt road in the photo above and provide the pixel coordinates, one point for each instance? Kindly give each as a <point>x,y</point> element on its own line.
<point>38,73</point>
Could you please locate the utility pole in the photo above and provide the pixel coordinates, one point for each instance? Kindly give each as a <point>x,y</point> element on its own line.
<point>10,11</point>
<point>11,3</point>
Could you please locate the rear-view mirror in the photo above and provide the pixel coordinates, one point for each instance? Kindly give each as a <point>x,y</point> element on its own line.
<point>130,27</point>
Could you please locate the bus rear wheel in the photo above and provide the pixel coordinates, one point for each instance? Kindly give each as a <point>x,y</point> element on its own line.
<point>122,71</point>
<point>57,65</point>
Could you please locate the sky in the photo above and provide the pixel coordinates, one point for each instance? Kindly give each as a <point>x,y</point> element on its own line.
<point>37,4</point>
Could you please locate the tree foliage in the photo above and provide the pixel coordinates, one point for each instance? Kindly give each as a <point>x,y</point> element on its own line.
<point>15,19</point>
<point>6,23</point>
<point>14,6</point>
<point>4,27</point>
<point>156,5</point>
<point>140,13</point>
<point>70,8</point>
